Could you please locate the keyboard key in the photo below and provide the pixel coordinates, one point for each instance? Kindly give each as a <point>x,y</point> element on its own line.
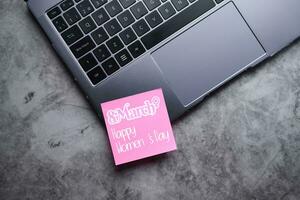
<point>87,25</point>
<point>101,53</point>
<point>99,35</point>
<point>177,22</point>
<point>60,24</point>
<point>96,75</point>
<point>166,10</point>
<point>136,49</point>
<point>88,62</point>
<point>100,16</point>
<point>138,10</point>
<point>114,44</point>
<point>85,8</point>
<point>72,16</point>
<point>98,3</point>
<point>127,36</point>
<point>154,19</point>
<point>127,3</point>
<point>65,5</point>
<point>110,66</point>
<point>180,4</point>
<point>82,46</point>
<point>126,18</point>
<point>140,27</point>
<point>151,4</point>
<point>72,35</point>
<point>113,8</point>
<point>54,12</point>
<point>123,57</point>
<point>112,27</point>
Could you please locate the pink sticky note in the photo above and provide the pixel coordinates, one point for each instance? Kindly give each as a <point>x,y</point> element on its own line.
<point>138,126</point>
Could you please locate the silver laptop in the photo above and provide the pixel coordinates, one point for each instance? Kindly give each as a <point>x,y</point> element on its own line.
<point>116,48</point>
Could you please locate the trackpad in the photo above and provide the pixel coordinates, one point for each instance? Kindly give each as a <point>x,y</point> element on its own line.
<point>208,53</point>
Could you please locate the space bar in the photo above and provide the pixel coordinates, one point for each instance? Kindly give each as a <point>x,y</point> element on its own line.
<point>177,22</point>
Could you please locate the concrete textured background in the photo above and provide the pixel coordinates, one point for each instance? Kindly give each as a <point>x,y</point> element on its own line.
<point>242,142</point>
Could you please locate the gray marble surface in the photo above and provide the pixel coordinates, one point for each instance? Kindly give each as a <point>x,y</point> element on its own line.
<point>242,142</point>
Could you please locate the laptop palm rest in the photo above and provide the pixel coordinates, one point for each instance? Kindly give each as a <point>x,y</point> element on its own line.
<point>207,54</point>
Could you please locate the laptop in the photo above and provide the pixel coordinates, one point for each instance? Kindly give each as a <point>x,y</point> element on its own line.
<point>117,48</point>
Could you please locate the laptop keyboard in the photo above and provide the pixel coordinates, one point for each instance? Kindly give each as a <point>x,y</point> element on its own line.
<point>105,35</point>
